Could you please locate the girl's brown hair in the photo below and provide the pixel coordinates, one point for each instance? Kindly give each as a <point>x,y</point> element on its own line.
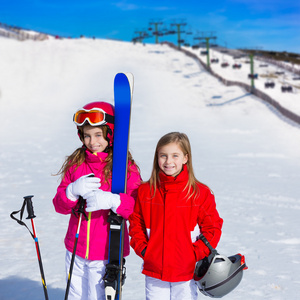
<point>183,142</point>
<point>79,156</point>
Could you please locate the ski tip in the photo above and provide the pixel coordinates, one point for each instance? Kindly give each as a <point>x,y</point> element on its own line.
<point>128,76</point>
<point>130,80</point>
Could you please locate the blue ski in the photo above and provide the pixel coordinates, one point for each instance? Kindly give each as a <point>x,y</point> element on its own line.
<point>115,270</point>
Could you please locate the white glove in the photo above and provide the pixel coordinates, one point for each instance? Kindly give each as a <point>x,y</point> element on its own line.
<point>82,186</point>
<point>99,199</point>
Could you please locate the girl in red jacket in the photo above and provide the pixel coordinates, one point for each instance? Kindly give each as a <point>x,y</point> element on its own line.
<point>95,124</point>
<point>171,210</point>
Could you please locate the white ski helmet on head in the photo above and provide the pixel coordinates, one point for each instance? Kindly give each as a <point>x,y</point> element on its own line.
<point>217,275</point>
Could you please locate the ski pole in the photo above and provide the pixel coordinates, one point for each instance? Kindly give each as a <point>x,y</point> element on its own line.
<point>81,212</point>
<point>31,216</point>
<point>28,203</point>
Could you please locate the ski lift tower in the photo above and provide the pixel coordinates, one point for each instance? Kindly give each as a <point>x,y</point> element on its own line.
<point>207,36</point>
<point>156,32</point>
<point>179,25</point>
<point>252,75</point>
<point>141,35</point>
<point>252,69</point>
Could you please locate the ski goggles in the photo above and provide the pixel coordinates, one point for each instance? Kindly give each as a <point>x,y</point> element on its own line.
<point>94,116</point>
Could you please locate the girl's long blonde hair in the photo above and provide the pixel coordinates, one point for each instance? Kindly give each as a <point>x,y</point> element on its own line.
<point>79,156</point>
<point>183,142</point>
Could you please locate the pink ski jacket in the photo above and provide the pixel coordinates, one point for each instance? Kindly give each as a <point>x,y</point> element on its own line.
<point>93,237</point>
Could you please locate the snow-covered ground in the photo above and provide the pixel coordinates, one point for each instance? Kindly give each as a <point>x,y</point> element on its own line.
<point>246,152</point>
<point>266,72</point>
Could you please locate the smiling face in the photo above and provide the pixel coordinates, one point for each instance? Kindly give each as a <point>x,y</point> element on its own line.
<point>171,159</point>
<point>93,139</point>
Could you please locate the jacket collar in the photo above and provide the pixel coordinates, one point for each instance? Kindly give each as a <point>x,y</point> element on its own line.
<point>182,177</point>
<point>95,157</point>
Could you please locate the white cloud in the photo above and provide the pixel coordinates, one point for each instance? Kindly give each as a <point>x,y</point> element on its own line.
<point>124,5</point>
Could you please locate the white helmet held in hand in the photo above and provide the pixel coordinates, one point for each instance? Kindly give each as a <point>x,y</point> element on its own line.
<point>217,275</point>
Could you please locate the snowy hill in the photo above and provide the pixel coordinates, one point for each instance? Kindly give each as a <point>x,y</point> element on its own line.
<point>235,67</point>
<point>21,34</point>
<point>245,152</point>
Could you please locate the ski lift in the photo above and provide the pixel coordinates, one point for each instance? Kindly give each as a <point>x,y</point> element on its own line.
<point>269,84</point>
<point>204,52</point>
<point>150,28</point>
<point>135,40</point>
<point>286,88</point>
<point>253,76</point>
<point>189,31</point>
<point>186,44</point>
<point>214,60</point>
<point>236,66</point>
<point>180,41</point>
<point>224,64</point>
<point>196,46</point>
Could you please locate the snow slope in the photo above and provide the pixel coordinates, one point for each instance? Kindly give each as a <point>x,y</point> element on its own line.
<point>245,152</point>
<point>266,71</point>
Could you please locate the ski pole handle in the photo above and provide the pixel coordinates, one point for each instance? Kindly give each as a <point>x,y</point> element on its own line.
<point>81,202</point>
<point>29,206</point>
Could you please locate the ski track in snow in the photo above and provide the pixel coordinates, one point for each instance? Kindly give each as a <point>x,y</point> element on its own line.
<point>247,154</point>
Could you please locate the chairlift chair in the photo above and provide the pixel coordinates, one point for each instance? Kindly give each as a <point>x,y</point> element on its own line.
<point>253,76</point>
<point>236,66</point>
<point>224,64</point>
<point>214,60</point>
<point>269,84</point>
<point>287,88</point>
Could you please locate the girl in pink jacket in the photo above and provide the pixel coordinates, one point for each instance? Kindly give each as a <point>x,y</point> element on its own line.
<point>95,129</point>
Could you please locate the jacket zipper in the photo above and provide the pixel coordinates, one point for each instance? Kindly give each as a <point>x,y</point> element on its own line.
<point>88,236</point>
<point>89,220</point>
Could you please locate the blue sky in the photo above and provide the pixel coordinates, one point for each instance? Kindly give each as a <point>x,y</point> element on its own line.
<point>264,24</point>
